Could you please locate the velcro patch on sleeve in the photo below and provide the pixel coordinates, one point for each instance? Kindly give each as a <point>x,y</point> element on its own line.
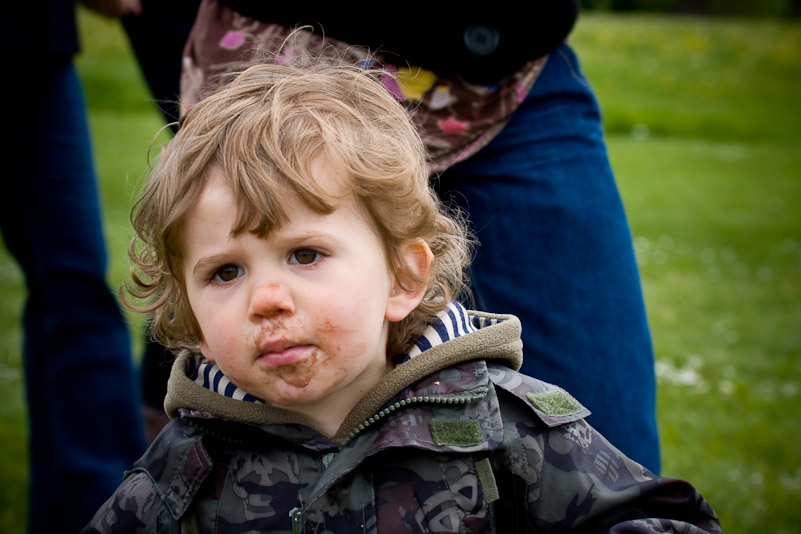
<point>555,403</point>
<point>460,433</point>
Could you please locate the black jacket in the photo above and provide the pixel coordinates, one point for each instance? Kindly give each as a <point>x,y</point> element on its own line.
<point>481,45</point>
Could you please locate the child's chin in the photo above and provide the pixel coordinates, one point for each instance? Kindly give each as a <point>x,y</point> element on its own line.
<point>301,396</point>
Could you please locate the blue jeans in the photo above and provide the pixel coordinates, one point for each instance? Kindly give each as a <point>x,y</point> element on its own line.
<point>85,426</point>
<point>556,251</point>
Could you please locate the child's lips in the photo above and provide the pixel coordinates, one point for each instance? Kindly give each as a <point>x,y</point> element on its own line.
<point>283,354</point>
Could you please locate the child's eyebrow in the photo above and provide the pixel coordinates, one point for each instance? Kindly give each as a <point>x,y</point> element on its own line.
<point>207,262</point>
<point>304,235</point>
<point>287,237</point>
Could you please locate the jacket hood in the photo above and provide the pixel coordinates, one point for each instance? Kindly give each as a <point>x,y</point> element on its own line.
<point>457,335</point>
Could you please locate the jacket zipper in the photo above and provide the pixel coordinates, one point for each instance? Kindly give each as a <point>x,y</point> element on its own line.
<point>294,515</point>
<point>444,399</point>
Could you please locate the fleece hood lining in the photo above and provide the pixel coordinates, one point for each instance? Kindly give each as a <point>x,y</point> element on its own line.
<point>497,337</point>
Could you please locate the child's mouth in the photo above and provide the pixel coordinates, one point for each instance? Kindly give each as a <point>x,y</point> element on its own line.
<point>286,356</point>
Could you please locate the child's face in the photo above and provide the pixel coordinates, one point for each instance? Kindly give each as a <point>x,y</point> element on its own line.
<point>299,318</point>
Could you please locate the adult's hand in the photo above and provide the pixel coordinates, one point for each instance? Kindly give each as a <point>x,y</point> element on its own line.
<point>114,8</point>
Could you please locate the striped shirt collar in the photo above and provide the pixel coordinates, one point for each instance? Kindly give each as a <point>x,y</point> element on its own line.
<point>452,322</point>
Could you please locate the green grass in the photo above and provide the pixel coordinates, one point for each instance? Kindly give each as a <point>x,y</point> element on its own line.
<point>719,244</point>
<point>722,79</point>
<point>704,132</point>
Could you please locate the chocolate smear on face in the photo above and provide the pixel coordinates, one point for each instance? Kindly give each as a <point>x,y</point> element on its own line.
<point>299,374</point>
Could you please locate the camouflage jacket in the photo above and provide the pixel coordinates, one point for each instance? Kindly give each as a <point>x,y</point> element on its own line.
<point>453,440</point>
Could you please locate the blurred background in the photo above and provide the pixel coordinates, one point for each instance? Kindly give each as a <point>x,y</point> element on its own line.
<point>702,108</point>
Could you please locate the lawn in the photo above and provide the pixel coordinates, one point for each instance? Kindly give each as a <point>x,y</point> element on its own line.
<point>704,131</point>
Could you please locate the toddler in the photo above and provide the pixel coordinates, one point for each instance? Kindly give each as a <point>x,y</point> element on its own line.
<point>296,259</point>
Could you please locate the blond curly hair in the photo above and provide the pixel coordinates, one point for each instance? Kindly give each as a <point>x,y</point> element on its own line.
<point>264,130</point>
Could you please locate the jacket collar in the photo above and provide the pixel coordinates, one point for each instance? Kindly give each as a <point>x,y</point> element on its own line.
<point>456,336</point>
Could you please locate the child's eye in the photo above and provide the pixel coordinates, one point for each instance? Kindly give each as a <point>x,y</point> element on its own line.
<point>304,256</point>
<point>227,273</point>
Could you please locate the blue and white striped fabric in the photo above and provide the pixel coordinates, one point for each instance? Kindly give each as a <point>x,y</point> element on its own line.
<point>450,323</point>
<point>208,375</point>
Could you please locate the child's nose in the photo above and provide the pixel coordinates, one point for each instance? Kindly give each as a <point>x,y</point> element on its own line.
<point>269,299</point>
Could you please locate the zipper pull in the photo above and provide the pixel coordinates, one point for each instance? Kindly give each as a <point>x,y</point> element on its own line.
<point>295,514</point>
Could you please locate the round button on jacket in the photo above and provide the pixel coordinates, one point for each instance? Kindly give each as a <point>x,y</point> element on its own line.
<point>481,39</point>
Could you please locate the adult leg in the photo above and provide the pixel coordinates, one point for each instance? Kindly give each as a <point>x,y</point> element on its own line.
<point>160,62</point>
<point>160,59</point>
<point>556,250</point>
<point>85,429</point>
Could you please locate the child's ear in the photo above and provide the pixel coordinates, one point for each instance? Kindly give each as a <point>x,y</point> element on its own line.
<point>408,292</point>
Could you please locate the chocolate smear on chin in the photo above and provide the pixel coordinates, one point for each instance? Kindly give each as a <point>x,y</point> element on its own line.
<point>298,374</point>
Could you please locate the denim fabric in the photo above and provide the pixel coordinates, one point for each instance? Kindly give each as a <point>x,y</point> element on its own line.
<point>85,427</point>
<point>556,251</point>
